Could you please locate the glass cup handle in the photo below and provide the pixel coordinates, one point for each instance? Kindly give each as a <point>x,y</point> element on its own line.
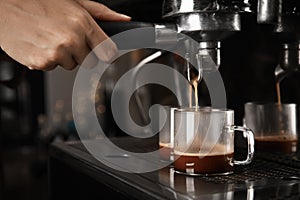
<point>248,133</point>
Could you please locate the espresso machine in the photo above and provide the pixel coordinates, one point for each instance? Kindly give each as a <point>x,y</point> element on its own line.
<point>252,43</point>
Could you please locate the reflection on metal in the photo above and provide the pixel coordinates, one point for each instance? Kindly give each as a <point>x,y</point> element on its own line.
<point>137,68</point>
<point>165,33</point>
<point>289,61</point>
<point>268,11</point>
<point>205,20</point>
<point>280,74</point>
<point>290,57</point>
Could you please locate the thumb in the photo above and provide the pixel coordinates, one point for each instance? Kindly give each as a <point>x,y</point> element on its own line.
<point>102,12</point>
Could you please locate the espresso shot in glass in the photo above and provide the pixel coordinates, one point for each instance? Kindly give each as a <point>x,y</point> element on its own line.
<point>274,126</point>
<point>204,141</point>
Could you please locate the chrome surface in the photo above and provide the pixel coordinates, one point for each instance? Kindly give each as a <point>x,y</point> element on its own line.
<point>280,74</point>
<point>210,55</point>
<point>177,7</point>
<point>290,57</point>
<point>165,33</point>
<point>209,22</point>
<point>268,11</point>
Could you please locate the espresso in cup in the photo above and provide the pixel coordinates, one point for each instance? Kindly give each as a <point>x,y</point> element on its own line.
<point>204,164</point>
<point>277,143</point>
<point>204,141</point>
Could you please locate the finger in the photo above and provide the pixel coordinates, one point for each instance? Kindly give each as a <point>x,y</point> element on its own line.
<point>103,47</point>
<point>107,50</point>
<point>85,57</point>
<point>48,63</point>
<point>103,13</point>
<point>80,53</point>
<point>60,57</point>
<point>68,62</point>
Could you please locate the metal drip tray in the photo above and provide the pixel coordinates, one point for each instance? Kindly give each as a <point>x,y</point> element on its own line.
<point>292,159</point>
<point>262,179</point>
<point>259,170</point>
<point>269,176</point>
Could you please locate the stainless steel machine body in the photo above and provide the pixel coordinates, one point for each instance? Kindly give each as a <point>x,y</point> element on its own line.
<point>213,20</point>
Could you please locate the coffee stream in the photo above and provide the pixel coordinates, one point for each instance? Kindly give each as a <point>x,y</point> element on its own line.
<point>195,84</point>
<point>278,94</point>
<point>194,77</point>
<point>281,124</point>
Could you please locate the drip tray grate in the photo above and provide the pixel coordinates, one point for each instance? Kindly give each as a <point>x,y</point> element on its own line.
<point>258,170</point>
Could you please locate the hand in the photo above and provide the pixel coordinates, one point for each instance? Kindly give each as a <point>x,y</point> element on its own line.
<point>42,34</point>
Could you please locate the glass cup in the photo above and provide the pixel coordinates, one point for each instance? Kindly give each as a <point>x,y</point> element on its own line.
<point>204,141</point>
<point>274,126</point>
<point>166,134</point>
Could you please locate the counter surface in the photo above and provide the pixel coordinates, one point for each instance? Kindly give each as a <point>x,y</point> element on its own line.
<point>75,174</point>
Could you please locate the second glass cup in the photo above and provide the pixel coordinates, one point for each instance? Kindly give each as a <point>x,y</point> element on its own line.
<point>274,126</point>
<point>204,141</point>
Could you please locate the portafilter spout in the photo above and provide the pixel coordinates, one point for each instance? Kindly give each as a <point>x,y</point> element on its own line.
<point>289,61</point>
<point>280,74</point>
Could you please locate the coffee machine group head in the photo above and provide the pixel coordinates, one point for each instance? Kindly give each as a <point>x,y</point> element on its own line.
<point>284,16</point>
<point>211,21</point>
<point>206,21</point>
